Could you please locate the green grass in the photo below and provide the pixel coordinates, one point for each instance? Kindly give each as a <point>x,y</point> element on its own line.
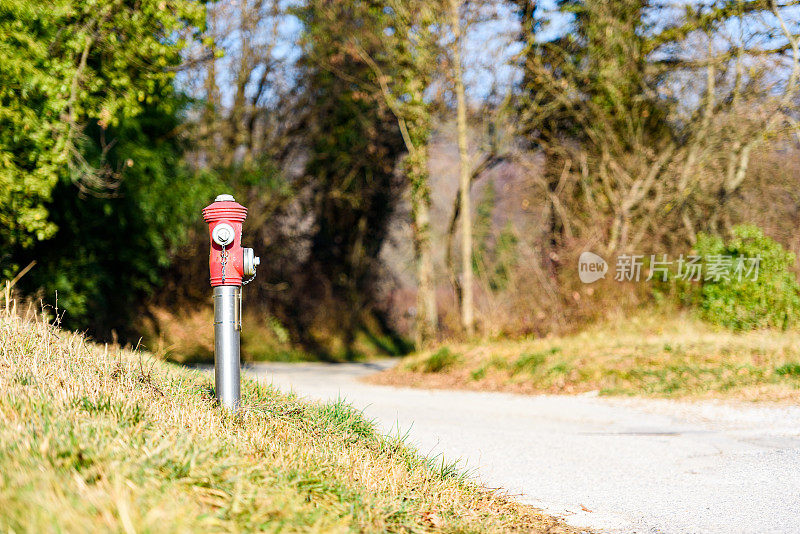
<point>96,438</point>
<point>651,354</point>
<point>530,362</point>
<point>789,369</point>
<point>439,361</point>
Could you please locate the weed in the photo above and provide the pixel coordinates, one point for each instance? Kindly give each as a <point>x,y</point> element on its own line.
<point>788,369</point>
<point>24,379</point>
<point>530,362</point>
<point>561,368</point>
<point>342,418</point>
<point>478,374</point>
<point>441,360</point>
<point>96,405</point>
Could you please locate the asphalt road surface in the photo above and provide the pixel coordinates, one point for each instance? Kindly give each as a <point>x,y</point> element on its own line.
<point>619,465</point>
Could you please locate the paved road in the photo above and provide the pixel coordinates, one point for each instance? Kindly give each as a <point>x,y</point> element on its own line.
<point>621,465</point>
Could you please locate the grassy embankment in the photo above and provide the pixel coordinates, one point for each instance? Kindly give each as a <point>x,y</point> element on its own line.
<point>187,338</point>
<point>656,354</point>
<point>97,438</point>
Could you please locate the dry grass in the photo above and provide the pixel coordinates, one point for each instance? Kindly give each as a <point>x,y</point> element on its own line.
<point>185,337</point>
<point>97,438</point>
<point>655,354</point>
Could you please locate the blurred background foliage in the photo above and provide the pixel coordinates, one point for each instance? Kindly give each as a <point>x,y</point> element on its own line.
<point>354,130</point>
<point>760,294</point>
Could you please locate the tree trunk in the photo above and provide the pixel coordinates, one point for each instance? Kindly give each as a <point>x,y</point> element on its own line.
<point>467,306</point>
<point>427,316</point>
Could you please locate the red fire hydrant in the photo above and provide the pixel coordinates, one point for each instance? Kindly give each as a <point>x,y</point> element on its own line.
<point>228,264</point>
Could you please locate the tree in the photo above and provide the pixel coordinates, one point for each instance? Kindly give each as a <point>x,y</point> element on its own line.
<point>249,128</point>
<point>644,135</point>
<point>396,41</point>
<point>29,162</point>
<point>78,76</point>
<point>110,252</point>
<point>411,52</point>
<point>467,311</point>
<point>351,189</point>
<point>459,19</point>
<point>239,58</point>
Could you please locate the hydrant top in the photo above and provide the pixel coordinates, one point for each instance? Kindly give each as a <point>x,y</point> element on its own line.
<point>225,208</point>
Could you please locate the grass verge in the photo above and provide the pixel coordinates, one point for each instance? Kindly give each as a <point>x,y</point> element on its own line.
<point>97,438</point>
<point>648,354</point>
<point>185,337</point>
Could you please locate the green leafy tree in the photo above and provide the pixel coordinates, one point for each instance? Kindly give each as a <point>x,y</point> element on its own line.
<point>748,297</point>
<point>94,187</point>
<point>67,64</point>
<point>32,148</point>
<point>109,253</point>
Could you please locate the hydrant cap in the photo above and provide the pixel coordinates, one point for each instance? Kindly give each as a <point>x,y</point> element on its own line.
<point>224,208</point>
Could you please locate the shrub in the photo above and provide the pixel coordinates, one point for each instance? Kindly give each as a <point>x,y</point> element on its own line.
<point>478,374</point>
<point>769,300</point>
<point>788,369</point>
<point>439,361</point>
<point>530,362</point>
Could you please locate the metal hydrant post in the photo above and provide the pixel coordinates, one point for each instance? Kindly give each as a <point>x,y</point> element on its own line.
<point>228,264</point>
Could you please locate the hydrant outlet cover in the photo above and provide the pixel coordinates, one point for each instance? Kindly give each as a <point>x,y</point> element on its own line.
<point>223,234</point>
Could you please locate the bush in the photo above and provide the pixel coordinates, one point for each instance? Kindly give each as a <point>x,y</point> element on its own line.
<point>530,362</point>
<point>771,300</point>
<point>788,369</point>
<point>439,361</point>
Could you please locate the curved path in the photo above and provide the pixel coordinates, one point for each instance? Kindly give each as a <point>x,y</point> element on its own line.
<point>619,465</point>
